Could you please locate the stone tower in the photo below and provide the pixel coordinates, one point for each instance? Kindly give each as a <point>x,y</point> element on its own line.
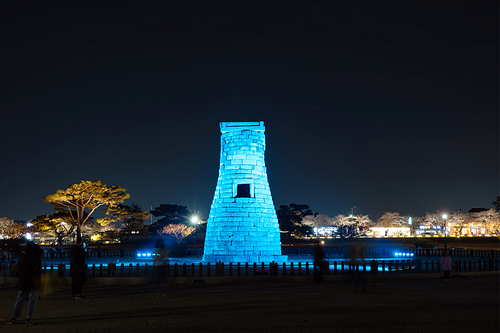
<point>242,225</point>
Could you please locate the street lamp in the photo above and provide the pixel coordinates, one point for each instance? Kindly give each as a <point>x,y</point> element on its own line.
<point>445,216</point>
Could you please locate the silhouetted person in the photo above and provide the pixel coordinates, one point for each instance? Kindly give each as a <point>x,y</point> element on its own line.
<point>78,269</point>
<point>52,250</point>
<point>319,256</point>
<point>30,270</point>
<point>446,263</point>
<point>59,250</point>
<point>160,267</point>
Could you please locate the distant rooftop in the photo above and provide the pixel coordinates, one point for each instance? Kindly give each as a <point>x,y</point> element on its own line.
<point>477,210</point>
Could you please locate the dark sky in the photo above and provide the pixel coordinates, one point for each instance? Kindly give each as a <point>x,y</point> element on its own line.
<point>386,105</point>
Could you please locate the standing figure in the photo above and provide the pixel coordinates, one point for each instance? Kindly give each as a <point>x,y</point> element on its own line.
<point>59,250</point>
<point>160,267</point>
<point>319,255</point>
<point>446,264</point>
<point>78,269</point>
<point>30,270</point>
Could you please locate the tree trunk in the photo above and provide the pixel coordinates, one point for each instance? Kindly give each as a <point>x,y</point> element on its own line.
<point>78,233</point>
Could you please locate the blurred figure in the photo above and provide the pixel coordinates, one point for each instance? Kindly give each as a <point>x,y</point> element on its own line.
<point>30,270</point>
<point>52,250</point>
<point>160,267</point>
<point>446,263</point>
<point>78,268</point>
<point>319,256</point>
<point>357,254</point>
<point>59,250</point>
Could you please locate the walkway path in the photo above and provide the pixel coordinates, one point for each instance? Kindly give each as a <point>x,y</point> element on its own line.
<point>466,304</point>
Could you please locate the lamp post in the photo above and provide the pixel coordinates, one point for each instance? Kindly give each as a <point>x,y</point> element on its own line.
<point>445,216</point>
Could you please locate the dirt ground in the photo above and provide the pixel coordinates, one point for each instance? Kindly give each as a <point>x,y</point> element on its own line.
<point>465,304</point>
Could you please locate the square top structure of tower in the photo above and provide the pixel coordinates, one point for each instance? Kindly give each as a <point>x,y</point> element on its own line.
<point>257,126</point>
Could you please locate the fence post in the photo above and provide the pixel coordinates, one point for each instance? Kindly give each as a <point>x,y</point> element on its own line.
<point>122,268</point>
<point>146,266</point>
<point>238,269</point>
<point>291,269</point>
<point>60,270</point>
<point>373,267</point>
<point>130,270</point>
<point>138,270</point>
<point>246,269</point>
<point>230,269</point>
<point>326,267</point>
<point>93,270</point>
<point>184,273</point>
<point>307,268</point>
<point>254,269</point>
<point>208,269</point>
<point>300,268</point>
<point>200,270</point>
<point>262,269</point>
<point>176,269</point>
<point>192,269</point>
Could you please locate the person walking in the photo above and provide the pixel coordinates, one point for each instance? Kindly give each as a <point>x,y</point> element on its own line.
<point>78,268</point>
<point>446,263</point>
<point>160,267</point>
<point>30,271</point>
<point>319,256</point>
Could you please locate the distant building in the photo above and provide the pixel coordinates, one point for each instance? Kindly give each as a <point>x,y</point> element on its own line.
<point>477,210</point>
<point>390,231</point>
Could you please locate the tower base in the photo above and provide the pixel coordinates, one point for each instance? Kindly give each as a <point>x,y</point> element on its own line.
<point>245,258</point>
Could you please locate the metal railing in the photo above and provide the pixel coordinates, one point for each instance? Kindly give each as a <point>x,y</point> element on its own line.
<point>220,269</point>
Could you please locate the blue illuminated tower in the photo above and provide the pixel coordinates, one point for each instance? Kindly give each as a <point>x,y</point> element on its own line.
<point>242,225</point>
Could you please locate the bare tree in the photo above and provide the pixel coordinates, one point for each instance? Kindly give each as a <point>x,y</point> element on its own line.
<point>317,221</point>
<point>392,219</point>
<point>177,231</point>
<point>490,220</point>
<point>458,221</point>
<point>11,229</point>
<point>351,226</point>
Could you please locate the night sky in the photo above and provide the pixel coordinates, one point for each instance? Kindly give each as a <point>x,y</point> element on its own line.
<point>385,105</point>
